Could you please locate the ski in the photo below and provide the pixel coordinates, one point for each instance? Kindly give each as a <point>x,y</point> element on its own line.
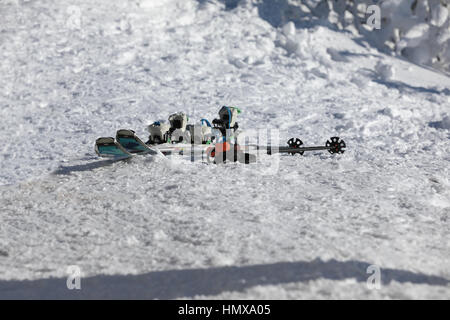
<point>132,144</point>
<point>123,147</point>
<point>107,147</point>
<point>127,144</point>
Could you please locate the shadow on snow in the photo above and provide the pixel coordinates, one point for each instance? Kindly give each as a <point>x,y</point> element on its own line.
<point>191,282</point>
<point>67,170</point>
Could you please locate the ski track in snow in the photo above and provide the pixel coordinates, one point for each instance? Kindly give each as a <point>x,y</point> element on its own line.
<point>386,201</point>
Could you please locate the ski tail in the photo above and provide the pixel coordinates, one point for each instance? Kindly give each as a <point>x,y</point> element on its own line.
<point>131,142</point>
<point>107,147</point>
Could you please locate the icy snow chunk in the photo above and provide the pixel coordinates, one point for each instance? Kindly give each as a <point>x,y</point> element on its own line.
<point>359,82</point>
<point>352,29</point>
<point>125,25</point>
<point>289,29</point>
<point>439,15</point>
<point>348,17</point>
<point>333,17</point>
<point>222,260</point>
<point>386,112</point>
<point>265,44</point>
<point>77,68</point>
<point>160,236</point>
<point>396,112</point>
<point>418,31</point>
<point>151,4</point>
<point>318,73</point>
<point>443,36</point>
<point>439,201</point>
<point>384,71</point>
<point>249,60</point>
<point>238,63</point>
<point>348,125</point>
<point>291,46</point>
<point>126,58</point>
<point>132,241</point>
<point>287,43</point>
<point>414,36</point>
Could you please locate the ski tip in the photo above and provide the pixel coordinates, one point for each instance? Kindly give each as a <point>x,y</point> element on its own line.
<point>104,141</point>
<point>109,148</point>
<point>125,133</point>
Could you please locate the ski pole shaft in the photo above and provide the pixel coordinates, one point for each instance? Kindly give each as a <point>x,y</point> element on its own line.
<point>272,150</point>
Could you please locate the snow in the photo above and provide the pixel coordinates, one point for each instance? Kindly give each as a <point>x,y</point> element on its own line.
<point>384,71</point>
<point>127,64</point>
<point>407,28</point>
<point>439,16</point>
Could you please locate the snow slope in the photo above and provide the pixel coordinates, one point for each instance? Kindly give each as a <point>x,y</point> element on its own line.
<point>73,72</point>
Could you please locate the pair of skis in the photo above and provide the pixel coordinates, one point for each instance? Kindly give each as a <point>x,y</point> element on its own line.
<point>127,144</point>
<point>124,146</point>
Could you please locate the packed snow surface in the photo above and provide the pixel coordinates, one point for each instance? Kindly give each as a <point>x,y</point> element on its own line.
<point>287,227</point>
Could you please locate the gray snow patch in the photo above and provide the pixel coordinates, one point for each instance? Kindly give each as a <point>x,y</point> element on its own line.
<point>442,124</point>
